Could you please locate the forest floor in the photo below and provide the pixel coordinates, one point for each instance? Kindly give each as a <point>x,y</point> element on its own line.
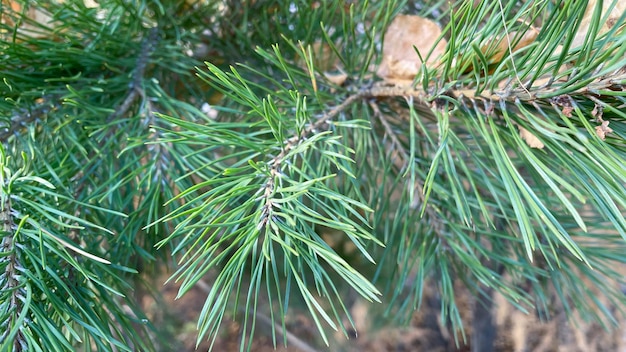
<point>176,321</point>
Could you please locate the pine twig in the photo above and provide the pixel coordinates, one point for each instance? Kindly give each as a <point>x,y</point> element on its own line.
<point>291,143</point>
<point>26,118</point>
<point>395,142</point>
<point>379,90</point>
<point>613,82</point>
<point>136,90</point>
<point>11,284</point>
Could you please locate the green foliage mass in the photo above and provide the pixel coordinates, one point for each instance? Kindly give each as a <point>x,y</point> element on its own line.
<point>210,137</point>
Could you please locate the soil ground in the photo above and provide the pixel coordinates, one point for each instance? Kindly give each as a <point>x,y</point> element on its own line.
<point>514,330</point>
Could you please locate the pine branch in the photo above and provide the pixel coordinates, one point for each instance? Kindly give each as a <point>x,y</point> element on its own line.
<point>598,89</point>
<point>136,85</point>
<point>291,143</point>
<point>404,155</point>
<point>615,82</point>
<point>26,117</point>
<point>9,283</point>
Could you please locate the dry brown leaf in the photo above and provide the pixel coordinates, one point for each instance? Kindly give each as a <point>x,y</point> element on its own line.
<point>502,44</point>
<point>567,111</point>
<point>565,102</point>
<point>23,16</point>
<point>597,112</point>
<point>336,78</point>
<point>550,78</point>
<point>498,47</point>
<point>613,16</point>
<point>324,58</point>
<point>530,138</point>
<point>400,63</point>
<point>603,130</point>
<point>13,17</point>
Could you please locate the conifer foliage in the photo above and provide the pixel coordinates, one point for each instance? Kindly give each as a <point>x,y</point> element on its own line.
<point>292,154</point>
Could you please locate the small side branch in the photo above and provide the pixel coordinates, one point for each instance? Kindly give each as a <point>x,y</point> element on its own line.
<point>136,90</point>
<point>397,146</point>
<point>147,47</point>
<point>375,91</point>
<point>24,118</point>
<point>9,279</point>
<point>291,143</point>
<point>382,89</point>
<point>614,82</point>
